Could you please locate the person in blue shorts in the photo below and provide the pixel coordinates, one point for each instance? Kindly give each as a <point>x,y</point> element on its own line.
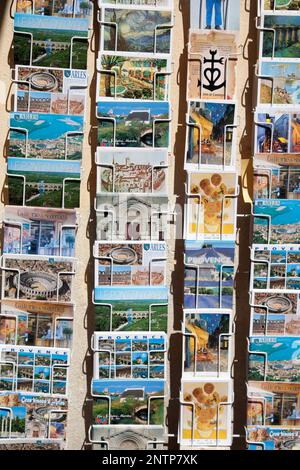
<point>217,6</point>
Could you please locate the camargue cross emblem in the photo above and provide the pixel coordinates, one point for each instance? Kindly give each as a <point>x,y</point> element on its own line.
<point>212,73</point>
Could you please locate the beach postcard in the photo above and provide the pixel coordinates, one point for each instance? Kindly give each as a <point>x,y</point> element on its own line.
<point>45,136</point>
<point>41,324</point>
<point>276,221</point>
<point>33,416</point>
<point>127,355</point>
<point>121,308</point>
<point>207,413</point>
<point>209,274</point>
<point>132,171</point>
<point>43,183</point>
<point>133,123</point>
<point>130,402</point>
<point>274,359</point>
<point>207,345</point>
<point>50,41</point>
<point>132,77</point>
<point>39,231</point>
<point>275,313</point>
<point>136,264</point>
<point>211,135</point>
<point>136,30</point>
<point>30,277</point>
<point>47,90</point>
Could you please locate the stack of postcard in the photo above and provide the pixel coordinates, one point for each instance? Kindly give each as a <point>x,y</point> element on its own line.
<point>44,153</point>
<point>206,396</point>
<point>132,221</point>
<point>273,378</point>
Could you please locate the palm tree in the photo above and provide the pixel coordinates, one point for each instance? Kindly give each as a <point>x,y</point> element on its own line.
<point>108,62</point>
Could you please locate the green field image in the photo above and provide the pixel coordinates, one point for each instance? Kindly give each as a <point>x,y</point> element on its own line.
<point>136,135</point>
<point>159,318</point>
<point>55,52</point>
<point>43,195</point>
<point>129,411</point>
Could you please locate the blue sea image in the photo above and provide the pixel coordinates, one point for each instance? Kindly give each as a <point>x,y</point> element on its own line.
<point>276,348</point>
<point>282,212</point>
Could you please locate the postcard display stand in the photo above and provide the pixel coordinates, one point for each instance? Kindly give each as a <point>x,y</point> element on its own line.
<point>129,386</point>
<point>40,222</point>
<point>273,365</point>
<point>206,398</point>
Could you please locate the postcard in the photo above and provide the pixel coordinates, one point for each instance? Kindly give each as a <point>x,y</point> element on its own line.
<point>130,171</point>
<point>274,403</point>
<point>136,356</point>
<point>118,437</point>
<point>212,65</point>
<point>67,8</point>
<point>133,124</point>
<point>33,416</point>
<point>273,133</point>
<point>207,413</point>
<point>275,314</point>
<point>212,205</point>
<point>282,41</point>
<point>37,278</point>
<point>136,30</point>
<point>209,274</point>
<point>217,15</point>
<point>23,444</point>
<point>276,221</point>
<point>139,3</point>
<point>274,359</point>
<point>207,345</point>
<point>130,402</point>
<point>130,264</point>
<point>282,5</point>
<point>275,267</point>
<point>273,181</point>
<point>42,324</point>
<point>279,83</point>
<point>131,308</point>
<point>28,369</point>
<point>39,231</point>
<point>48,90</point>
<point>45,136</point>
<point>132,217</point>
<point>48,41</point>
<point>132,77</point>
<point>211,135</point>
<point>43,183</point>
<point>272,438</point>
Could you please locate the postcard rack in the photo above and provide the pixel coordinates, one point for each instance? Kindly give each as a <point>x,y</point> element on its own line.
<point>210,162</point>
<point>130,254</point>
<point>40,221</point>
<point>273,379</point>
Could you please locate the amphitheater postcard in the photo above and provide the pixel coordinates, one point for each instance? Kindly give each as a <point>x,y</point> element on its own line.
<point>37,278</point>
